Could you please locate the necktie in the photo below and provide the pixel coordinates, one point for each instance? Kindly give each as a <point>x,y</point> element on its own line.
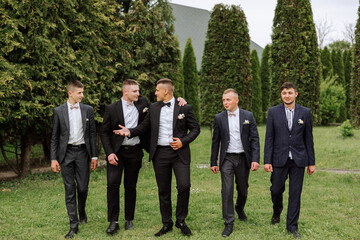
<point>166,104</point>
<point>73,106</point>
<point>232,114</point>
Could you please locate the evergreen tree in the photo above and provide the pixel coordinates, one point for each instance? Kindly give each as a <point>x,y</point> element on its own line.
<point>295,54</point>
<point>265,81</point>
<point>338,67</point>
<point>256,97</point>
<point>326,62</point>
<point>191,78</point>
<point>226,60</point>
<point>355,104</point>
<point>348,72</point>
<point>151,51</point>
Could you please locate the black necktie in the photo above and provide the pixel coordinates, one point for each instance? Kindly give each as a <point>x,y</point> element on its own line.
<point>166,104</point>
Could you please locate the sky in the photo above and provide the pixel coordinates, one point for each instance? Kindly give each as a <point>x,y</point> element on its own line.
<point>260,15</point>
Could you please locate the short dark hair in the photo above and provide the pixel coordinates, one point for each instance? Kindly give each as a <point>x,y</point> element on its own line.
<point>168,82</point>
<point>288,85</point>
<point>73,84</point>
<point>130,82</point>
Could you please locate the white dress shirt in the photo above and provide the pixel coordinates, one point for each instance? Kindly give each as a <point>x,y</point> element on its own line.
<point>235,144</point>
<point>166,124</point>
<point>131,118</point>
<point>76,127</point>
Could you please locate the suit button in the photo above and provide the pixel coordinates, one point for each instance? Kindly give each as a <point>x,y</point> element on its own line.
<point>290,135</point>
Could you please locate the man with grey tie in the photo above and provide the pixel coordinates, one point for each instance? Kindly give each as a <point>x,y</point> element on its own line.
<point>73,147</point>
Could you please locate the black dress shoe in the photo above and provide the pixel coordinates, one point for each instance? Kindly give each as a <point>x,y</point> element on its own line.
<point>165,229</point>
<point>242,215</point>
<point>113,227</point>
<point>71,233</point>
<point>227,230</point>
<point>184,228</point>
<point>295,234</point>
<point>83,220</point>
<point>129,225</point>
<point>275,219</point>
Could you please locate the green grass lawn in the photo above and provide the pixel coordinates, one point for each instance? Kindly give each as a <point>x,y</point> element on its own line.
<point>34,208</point>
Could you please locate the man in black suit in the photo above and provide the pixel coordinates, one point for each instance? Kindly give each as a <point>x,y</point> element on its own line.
<point>124,154</point>
<point>236,136</point>
<point>289,148</point>
<point>73,146</point>
<point>172,129</point>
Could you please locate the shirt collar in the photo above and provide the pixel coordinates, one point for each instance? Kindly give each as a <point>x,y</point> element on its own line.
<point>69,104</point>
<point>236,112</point>
<point>172,101</point>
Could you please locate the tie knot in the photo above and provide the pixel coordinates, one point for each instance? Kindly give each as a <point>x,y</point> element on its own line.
<point>232,114</point>
<point>166,104</point>
<point>73,106</point>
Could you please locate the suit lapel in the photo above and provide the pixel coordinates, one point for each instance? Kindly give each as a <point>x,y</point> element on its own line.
<point>283,116</point>
<point>120,112</point>
<point>66,115</point>
<point>296,115</point>
<point>176,113</point>
<point>156,117</point>
<point>83,116</point>
<point>226,124</point>
<point>138,107</point>
<point>241,119</point>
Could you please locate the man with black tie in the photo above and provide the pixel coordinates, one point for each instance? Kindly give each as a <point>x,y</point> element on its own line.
<point>73,146</point>
<point>289,148</point>
<point>124,154</point>
<point>236,136</point>
<point>172,129</point>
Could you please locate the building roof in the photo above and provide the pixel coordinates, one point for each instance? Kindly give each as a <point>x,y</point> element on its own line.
<point>193,23</point>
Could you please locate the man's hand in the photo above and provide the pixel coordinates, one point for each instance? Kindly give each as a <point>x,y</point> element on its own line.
<point>181,101</point>
<point>123,131</point>
<point>215,169</point>
<point>311,169</point>
<point>55,166</point>
<point>93,164</point>
<point>176,144</point>
<point>268,167</point>
<point>254,166</point>
<point>112,158</point>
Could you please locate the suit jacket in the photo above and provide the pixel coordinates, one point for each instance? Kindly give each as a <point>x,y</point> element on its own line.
<point>114,116</point>
<point>221,137</point>
<point>186,128</point>
<point>280,140</point>
<point>61,131</point>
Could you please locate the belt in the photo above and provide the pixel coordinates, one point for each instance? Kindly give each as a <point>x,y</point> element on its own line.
<point>236,154</point>
<point>164,147</point>
<point>76,146</point>
<point>127,147</point>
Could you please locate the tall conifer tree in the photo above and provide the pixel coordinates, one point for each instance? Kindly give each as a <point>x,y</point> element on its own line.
<point>338,66</point>
<point>348,73</point>
<point>256,96</point>
<point>326,62</point>
<point>191,78</point>
<point>295,53</point>
<point>265,80</point>
<point>355,104</point>
<point>226,60</point>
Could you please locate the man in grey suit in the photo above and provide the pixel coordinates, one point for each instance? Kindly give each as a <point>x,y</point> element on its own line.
<point>236,136</point>
<point>73,147</point>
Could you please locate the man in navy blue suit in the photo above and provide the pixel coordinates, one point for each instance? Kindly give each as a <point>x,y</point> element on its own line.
<point>289,148</point>
<point>236,137</point>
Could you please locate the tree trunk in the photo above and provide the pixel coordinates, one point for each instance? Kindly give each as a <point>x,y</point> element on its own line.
<point>26,142</point>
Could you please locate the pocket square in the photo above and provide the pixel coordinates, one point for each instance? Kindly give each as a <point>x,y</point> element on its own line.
<point>246,122</point>
<point>87,119</point>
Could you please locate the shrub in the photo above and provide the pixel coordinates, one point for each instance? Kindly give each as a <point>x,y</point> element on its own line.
<point>346,129</point>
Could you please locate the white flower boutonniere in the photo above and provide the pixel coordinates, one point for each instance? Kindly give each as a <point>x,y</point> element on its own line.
<point>181,116</point>
<point>300,122</point>
<point>146,109</point>
<point>246,122</point>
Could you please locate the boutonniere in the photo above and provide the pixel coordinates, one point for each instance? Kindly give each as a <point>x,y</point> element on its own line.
<point>181,116</point>
<point>300,122</point>
<point>146,109</point>
<point>246,122</point>
<point>87,119</point>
